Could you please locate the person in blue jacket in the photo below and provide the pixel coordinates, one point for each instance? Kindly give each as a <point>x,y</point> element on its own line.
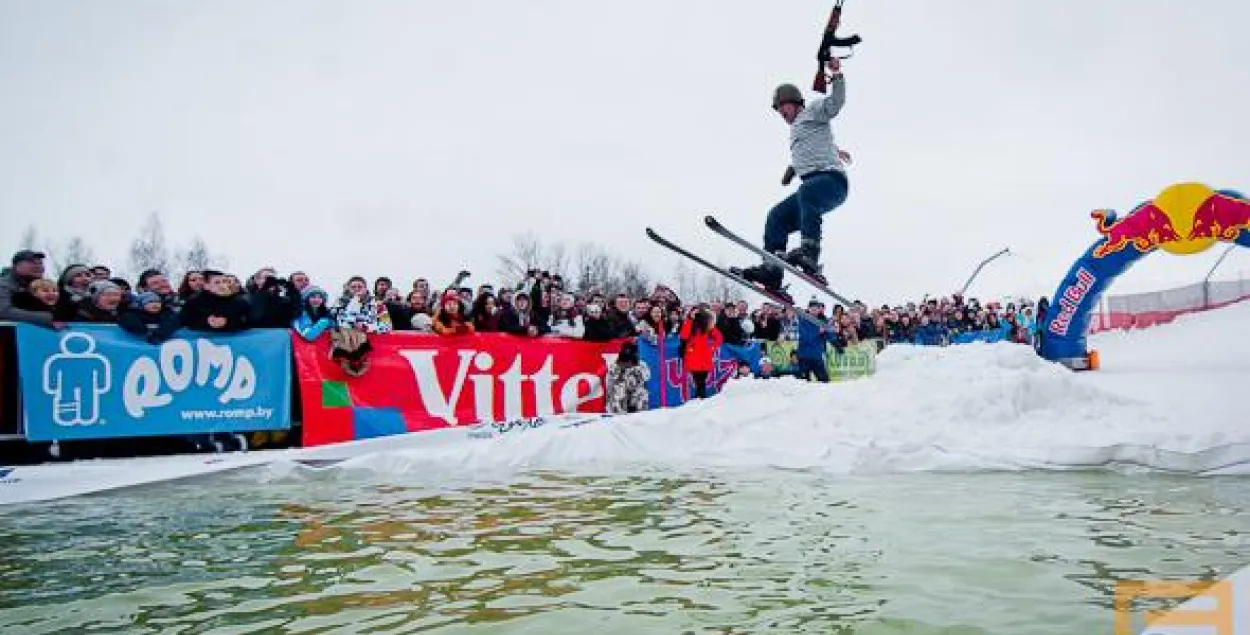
<point>931,333</point>
<point>814,342</point>
<point>314,316</point>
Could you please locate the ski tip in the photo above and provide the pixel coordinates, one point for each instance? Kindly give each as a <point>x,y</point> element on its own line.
<point>711,221</point>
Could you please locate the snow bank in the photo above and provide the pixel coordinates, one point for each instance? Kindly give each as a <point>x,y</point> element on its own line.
<point>1165,401</point>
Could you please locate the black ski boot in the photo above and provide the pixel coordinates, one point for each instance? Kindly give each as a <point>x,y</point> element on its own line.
<point>766,275</point>
<point>807,258</point>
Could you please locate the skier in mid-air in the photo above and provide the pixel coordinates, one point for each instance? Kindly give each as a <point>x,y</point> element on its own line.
<point>821,166</point>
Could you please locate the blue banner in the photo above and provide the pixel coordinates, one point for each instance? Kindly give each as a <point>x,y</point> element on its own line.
<point>97,381</point>
<point>988,337</point>
<point>670,385</point>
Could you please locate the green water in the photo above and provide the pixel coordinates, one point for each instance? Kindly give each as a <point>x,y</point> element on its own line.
<point>750,552</point>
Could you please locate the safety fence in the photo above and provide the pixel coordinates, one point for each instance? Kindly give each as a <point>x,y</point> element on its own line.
<point>98,382</point>
<point>1141,310</point>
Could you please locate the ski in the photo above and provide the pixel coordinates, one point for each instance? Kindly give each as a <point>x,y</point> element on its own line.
<point>725,232</point>
<point>784,301</point>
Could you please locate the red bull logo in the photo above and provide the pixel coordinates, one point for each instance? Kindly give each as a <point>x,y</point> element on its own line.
<point>1221,218</point>
<point>1184,219</point>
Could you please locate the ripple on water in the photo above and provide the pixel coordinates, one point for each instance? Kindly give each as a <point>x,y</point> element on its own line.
<point>778,551</point>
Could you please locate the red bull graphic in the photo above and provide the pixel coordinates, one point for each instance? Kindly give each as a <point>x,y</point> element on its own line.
<point>1184,219</point>
<point>1145,229</point>
<point>1221,218</point>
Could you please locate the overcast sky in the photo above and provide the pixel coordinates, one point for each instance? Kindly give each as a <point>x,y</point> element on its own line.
<point>411,138</point>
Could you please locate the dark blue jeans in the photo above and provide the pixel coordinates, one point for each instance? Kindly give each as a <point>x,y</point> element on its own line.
<point>808,367</point>
<point>803,211</point>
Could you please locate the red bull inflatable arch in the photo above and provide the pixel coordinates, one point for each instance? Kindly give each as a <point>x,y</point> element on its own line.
<point>1184,219</point>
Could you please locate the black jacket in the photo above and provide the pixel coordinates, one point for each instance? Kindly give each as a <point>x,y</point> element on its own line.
<point>201,306</point>
<point>155,328</point>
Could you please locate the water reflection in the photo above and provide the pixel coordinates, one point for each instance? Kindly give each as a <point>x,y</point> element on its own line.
<point>551,552</point>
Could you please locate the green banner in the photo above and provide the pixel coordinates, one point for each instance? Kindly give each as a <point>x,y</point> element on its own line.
<point>855,361</point>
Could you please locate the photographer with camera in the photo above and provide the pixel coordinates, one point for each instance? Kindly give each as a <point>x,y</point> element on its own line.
<point>274,301</point>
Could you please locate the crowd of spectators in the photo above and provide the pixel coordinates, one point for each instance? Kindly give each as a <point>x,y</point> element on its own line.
<point>540,305</point>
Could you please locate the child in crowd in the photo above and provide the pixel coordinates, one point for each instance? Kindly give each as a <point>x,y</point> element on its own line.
<point>627,382</point>
<point>150,318</point>
<point>41,295</point>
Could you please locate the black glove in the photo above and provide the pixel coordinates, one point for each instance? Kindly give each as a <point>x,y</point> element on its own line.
<point>788,176</point>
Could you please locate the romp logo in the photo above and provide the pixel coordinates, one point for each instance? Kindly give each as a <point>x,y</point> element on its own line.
<point>77,377</point>
<point>4,476</point>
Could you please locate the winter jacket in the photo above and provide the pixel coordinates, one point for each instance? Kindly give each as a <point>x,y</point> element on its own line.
<point>353,312</point>
<point>447,324</point>
<point>511,321</point>
<point>622,324</point>
<point>627,388</point>
<point>731,329</point>
<point>567,326</point>
<point>700,348</point>
<point>90,313</point>
<point>310,329</point>
<point>931,334</point>
<point>273,306</point>
<point>768,329</point>
<point>201,306</point>
<point>153,327</point>
<point>814,340</point>
<point>596,329</point>
<point>10,285</point>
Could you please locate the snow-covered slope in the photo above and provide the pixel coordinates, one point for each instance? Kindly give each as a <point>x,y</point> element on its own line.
<point>1167,399</point>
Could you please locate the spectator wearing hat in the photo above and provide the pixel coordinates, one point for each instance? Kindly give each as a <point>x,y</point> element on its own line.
<point>72,288</point>
<point>451,318</point>
<point>314,317</point>
<point>15,281</point>
<point>151,317</point>
<point>102,304</point>
<point>597,328</point>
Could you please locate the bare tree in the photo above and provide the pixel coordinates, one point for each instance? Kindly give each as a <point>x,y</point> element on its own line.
<point>78,251</point>
<point>30,238</point>
<point>148,250</point>
<point>197,257</point>
<point>525,254</point>
<point>633,280</point>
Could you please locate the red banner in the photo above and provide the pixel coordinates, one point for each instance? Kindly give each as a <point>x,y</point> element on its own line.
<point>424,382</point>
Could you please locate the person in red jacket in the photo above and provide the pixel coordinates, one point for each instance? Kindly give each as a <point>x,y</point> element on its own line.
<point>700,339</point>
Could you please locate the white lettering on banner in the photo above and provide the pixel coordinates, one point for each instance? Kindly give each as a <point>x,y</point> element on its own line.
<point>1071,300</point>
<point>438,402</point>
<point>570,400</point>
<point>433,397</point>
<point>180,365</point>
